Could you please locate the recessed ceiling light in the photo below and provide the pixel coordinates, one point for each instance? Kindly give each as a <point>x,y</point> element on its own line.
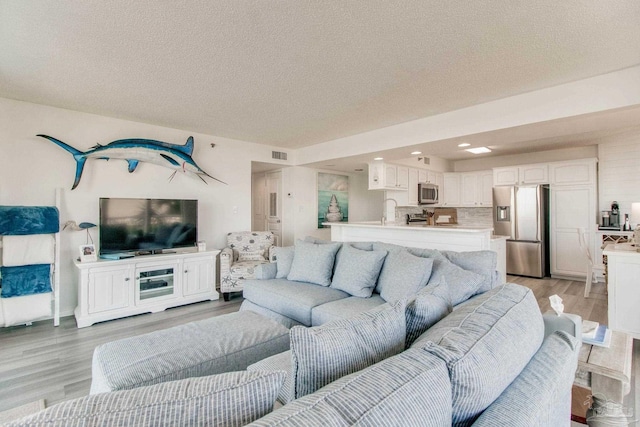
<point>478,150</point>
<point>414,153</point>
<point>378,158</point>
<point>464,144</point>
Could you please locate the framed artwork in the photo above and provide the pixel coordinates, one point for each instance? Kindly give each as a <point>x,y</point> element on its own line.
<point>333,198</point>
<point>88,253</point>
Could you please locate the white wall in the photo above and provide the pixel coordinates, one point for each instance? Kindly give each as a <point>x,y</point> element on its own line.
<point>300,210</point>
<point>619,171</point>
<point>32,168</point>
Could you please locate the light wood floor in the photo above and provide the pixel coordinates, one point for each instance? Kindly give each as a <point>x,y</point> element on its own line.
<point>43,362</point>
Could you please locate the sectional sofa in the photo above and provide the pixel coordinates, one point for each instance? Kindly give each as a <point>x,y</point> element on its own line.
<point>379,335</point>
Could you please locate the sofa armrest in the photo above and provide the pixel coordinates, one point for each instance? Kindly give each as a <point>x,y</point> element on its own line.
<point>226,260</point>
<point>541,394</point>
<point>271,256</point>
<point>234,398</point>
<point>266,271</point>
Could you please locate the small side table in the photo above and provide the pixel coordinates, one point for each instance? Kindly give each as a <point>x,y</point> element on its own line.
<point>607,372</point>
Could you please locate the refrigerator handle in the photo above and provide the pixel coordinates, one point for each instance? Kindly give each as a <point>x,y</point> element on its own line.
<point>514,214</point>
<point>539,214</point>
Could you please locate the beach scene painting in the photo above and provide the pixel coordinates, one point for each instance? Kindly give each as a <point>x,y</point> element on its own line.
<point>333,198</point>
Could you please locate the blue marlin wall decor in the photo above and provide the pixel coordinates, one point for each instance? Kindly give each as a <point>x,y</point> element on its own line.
<point>135,150</point>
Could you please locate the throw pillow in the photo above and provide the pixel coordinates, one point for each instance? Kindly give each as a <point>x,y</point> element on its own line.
<point>403,275</point>
<point>462,284</point>
<point>480,262</point>
<point>313,262</point>
<point>257,255</point>
<point>356,270</point>
<point>322,354</point>
<point>231,399</point>
<point>430,305</point>
<point>284,259</point>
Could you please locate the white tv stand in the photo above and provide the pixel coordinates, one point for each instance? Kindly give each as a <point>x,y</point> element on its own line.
<point>111,289</point>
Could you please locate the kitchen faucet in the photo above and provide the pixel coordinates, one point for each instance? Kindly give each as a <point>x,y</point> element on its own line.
<point>383,221</point>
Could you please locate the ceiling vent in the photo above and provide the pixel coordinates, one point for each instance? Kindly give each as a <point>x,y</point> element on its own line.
<point>426,160</point>
<point>279,155</point>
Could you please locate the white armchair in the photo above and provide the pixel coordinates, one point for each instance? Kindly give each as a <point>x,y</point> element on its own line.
<point>244,252</point>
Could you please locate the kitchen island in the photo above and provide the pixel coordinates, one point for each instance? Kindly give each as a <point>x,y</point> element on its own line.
<point>445,237</point>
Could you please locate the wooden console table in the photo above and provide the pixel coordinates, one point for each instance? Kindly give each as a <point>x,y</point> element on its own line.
<point>607,373</point>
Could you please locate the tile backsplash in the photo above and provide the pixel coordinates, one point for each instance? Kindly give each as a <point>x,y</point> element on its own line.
<point>469,217</point>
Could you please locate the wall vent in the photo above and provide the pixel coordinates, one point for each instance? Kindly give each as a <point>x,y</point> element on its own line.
<point>426,160</point>
<point>279,155</point>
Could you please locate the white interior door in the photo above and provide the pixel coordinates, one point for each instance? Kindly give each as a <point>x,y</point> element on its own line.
<point>258,196</point>
<point>273,205</point>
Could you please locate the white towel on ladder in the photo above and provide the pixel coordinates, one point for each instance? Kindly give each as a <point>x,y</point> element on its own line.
<point>27,250</point>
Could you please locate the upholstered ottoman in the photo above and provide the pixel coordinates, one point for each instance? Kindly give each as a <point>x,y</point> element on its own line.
<point>220,344</point>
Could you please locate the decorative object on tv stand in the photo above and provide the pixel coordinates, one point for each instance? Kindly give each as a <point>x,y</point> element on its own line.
<point>135,150</point>
<point>71,225</point>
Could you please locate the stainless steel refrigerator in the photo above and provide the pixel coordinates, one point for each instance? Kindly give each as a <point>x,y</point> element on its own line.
<point>522,214</point>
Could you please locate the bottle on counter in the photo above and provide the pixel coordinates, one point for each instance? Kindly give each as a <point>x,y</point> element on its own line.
<point>626,226</point>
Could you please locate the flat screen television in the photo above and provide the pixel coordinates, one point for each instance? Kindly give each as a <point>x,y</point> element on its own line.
<point>147,225</point>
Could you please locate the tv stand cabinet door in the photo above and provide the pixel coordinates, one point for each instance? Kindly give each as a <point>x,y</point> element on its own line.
<point>109,289</point>
<point>199,276</point>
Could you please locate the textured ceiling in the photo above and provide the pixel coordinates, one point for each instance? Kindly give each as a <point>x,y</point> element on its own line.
<point>297,73</point>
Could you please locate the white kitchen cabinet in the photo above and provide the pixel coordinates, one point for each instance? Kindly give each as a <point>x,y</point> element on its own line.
<point>473,189</point>
<point>623,268</point>
<point>573,172</point>
<point>111,289</point>
<point>414,178</point>
<point>384,176</point>
<point>518,175</point>
<point>452,186</point>
<point>571,207</point>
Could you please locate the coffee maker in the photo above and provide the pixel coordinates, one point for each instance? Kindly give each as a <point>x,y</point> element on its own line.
<point>614,216</point>
<point>610,220</point>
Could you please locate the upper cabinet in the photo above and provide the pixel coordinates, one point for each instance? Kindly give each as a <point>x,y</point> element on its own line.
<point>452,185</point>
<point>573,172</point>
<point>469,189</point>
<point>517,175</point>
<point>383,176</point>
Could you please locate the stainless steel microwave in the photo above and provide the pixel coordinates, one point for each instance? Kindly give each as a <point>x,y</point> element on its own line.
<point>427,193</point>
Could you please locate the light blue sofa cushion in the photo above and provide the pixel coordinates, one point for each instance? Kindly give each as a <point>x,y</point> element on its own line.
<point>541,395</point>
<point>475,342</point>
<point>230,399</point>
<point>385,394</point>
<point>483,263</point>
<point>278,362</point>
<point>284,259</point>
<point>356,270</point>
<point>403,275</point>
<point>313,262</point>
<point>426,308</point>
<point>463,284</point>
<point>322,354</point>
<point>342,308</point>
<point>291,299</point>
<point>265,271</point>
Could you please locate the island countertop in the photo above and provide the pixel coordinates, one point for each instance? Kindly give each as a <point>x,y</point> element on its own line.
<point>413,227</point>
<point>449,237</point>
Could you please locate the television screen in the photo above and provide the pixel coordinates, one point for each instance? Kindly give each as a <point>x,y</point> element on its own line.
<point>147,225</point>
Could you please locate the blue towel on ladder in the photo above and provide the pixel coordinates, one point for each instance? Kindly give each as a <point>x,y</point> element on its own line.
<point>22,220</point>
<point>25,280</point>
